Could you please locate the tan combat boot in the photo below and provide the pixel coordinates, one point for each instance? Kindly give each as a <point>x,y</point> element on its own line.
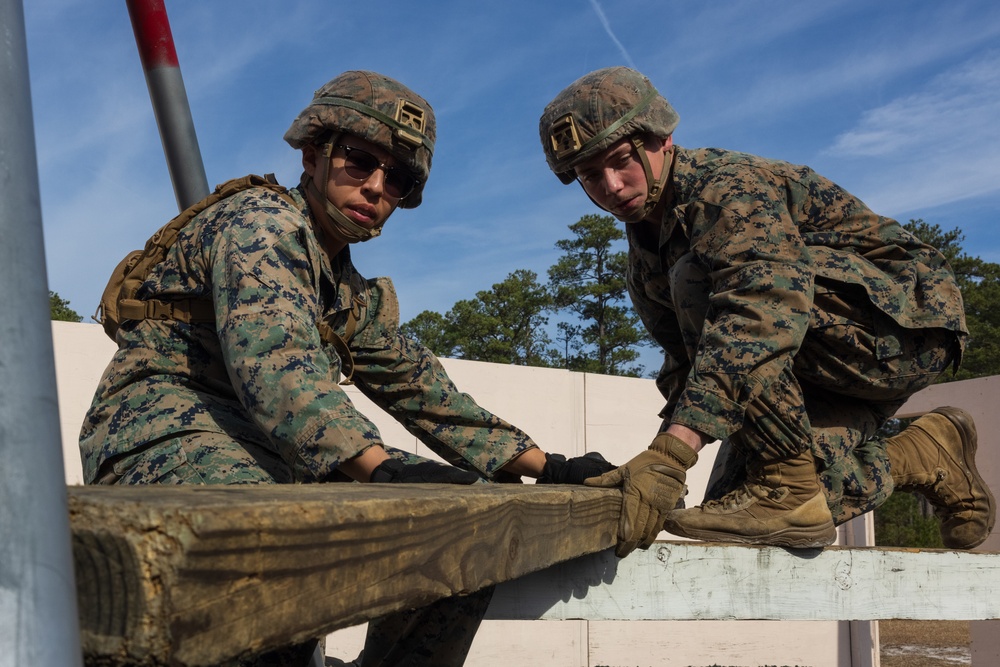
<point>780,504</point>
<point>935,456</point>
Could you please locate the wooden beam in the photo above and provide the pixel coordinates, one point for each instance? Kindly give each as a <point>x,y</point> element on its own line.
<point>694,581</point>
<point>195,576</point>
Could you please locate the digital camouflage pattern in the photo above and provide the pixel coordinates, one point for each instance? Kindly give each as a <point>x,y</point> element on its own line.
<point>255,398</point>
<point>375,108</point>
<point>791,316</point>
<point>596,111</point>
<point>262,376</point>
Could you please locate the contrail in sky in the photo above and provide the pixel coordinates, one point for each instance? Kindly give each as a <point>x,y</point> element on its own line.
<point>611,34</point>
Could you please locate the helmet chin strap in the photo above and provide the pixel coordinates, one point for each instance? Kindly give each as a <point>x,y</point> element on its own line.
<point>654,187</point>
<point>331,217</point>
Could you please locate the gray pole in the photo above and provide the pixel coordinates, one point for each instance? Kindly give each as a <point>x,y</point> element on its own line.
<point>169,98</point>
<point>38,614</point>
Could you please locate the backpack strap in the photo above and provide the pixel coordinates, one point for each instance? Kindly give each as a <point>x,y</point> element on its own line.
<point>182,310</point>
<point>119,302</point>
<point>339,343</point>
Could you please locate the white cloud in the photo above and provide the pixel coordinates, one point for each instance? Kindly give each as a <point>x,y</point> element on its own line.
<point>959,108</point>
<point>611,33</point>
<point>935,146</point>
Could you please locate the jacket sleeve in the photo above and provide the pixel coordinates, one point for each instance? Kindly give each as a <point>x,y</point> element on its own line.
<point>266,284</point>
<point>762,284</point>
<point>408,381</point>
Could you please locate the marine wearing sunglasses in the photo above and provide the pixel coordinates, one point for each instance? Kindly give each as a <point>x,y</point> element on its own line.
<point>360,165</point>
<point>349,202</point>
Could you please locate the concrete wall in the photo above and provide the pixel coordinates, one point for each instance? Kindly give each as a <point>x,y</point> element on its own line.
<point>573,413</point>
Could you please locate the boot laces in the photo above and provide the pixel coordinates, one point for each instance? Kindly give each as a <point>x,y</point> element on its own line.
<point>736,498</point>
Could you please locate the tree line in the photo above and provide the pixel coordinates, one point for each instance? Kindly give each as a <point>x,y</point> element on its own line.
<point>593,330</point>
<point>597,331</point>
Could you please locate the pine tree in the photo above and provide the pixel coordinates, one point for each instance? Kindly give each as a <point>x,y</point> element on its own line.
<point>59,309</point>
<point>505,324</point>
<point>588,282</point>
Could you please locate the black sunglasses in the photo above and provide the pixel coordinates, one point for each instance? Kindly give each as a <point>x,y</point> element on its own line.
<point>360,165</point>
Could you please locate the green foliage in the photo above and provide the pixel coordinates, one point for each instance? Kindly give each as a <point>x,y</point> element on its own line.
<point>598,331</point>
<point>431,329</point>
<point>507,323</point>
<point>980,284</point>
<point>59,309</point>
<point>902,521</point>
<point>588,281</point>
<point>504,324</point>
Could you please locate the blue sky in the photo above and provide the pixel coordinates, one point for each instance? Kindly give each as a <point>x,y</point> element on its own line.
<point>896,100</point>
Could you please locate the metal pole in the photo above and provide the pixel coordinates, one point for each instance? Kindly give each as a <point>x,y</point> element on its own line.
<point>170,102</point>
<point>38,613</point>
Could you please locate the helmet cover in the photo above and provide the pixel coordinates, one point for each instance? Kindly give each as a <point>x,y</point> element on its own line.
<point>596,111</point>
<point>377,109</point>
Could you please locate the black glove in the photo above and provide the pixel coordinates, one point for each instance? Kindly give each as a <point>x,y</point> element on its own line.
<point>425,472</point>
<point>560,470</point>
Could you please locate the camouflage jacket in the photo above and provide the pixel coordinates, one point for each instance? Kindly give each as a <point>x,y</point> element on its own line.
<point>262,373</point>
<point>768,234</point>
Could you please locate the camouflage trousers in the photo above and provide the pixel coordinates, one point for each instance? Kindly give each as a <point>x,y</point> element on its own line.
<point>854,369</point>
<point>439,634</point>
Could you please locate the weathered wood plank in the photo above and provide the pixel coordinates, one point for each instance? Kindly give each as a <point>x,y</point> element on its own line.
<point>693,581</point>
<point>193,576</point>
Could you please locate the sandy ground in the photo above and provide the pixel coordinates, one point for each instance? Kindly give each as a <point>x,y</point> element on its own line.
<point>925,643</point>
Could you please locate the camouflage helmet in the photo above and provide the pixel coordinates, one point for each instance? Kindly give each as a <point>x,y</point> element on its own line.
<point>377,109</point>
<point>596,111</point>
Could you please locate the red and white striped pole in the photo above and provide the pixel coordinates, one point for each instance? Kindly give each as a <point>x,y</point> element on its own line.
<point>170,102</point>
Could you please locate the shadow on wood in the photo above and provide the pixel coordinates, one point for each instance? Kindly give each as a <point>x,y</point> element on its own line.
<point>193,576</point>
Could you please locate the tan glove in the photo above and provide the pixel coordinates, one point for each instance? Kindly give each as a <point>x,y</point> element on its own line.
<point>651,483</point>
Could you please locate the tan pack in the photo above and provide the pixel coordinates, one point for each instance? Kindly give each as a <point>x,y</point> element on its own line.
<point>119,302</point>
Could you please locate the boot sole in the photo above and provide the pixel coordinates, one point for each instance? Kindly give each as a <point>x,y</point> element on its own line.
<point>960,419</point>
<point>815,537</point>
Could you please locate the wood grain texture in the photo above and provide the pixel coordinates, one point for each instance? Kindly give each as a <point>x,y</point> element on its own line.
<point>192,576</point>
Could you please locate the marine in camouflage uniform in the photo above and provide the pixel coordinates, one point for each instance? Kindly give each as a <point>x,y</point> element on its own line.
<point>251,396</point>
<point>794,322</point>
<point>262,376</point>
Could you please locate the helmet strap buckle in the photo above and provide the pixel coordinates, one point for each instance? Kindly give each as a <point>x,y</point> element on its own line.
<point>654,186</point>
